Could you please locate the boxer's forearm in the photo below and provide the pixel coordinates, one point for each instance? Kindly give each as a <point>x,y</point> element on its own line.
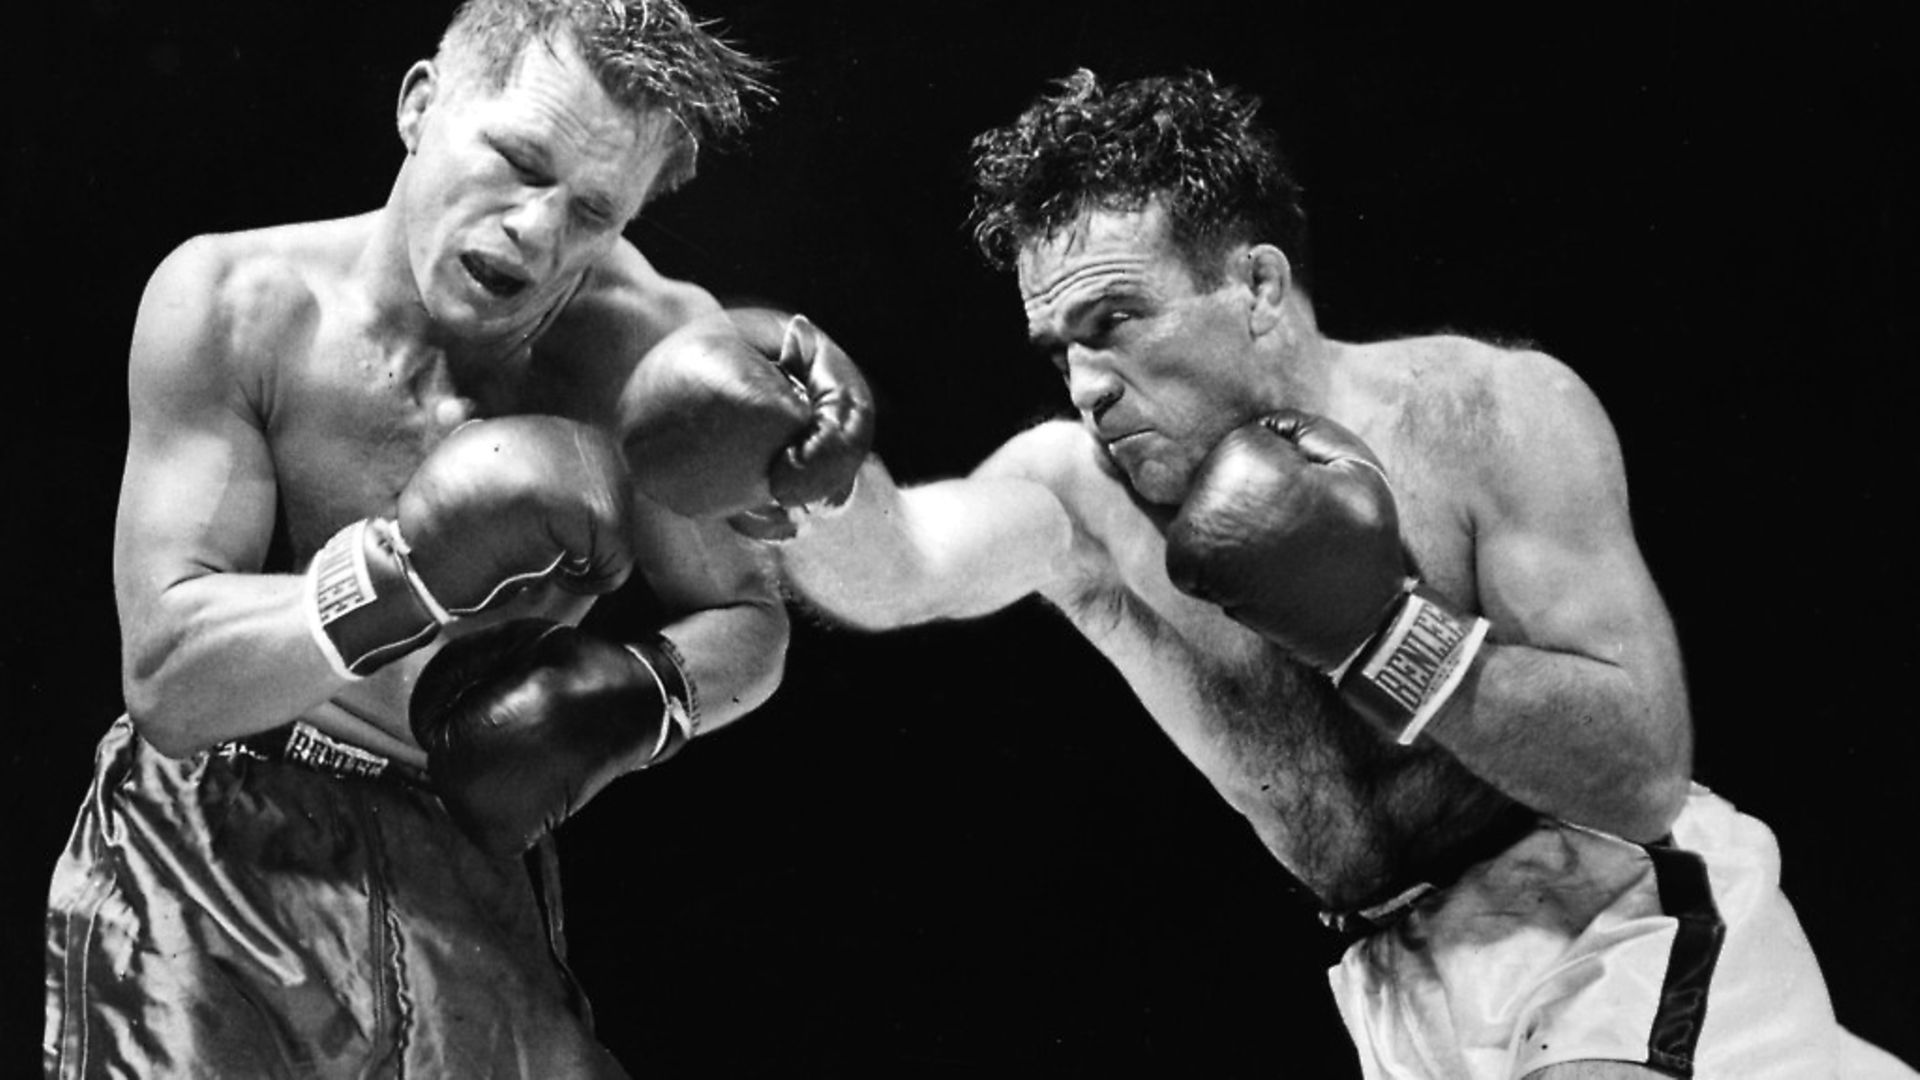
<point>1587,741</point>
<point>734,658</point>
<point>220,656</point>
<point>945,550</point>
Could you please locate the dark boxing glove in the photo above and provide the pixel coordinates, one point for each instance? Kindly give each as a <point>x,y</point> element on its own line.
<point>1291,528</point>
<point>747,414</point>
<point>524,722</point>
<point>498,505</point>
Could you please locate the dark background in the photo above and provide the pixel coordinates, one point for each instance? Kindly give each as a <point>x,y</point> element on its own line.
<point>963,850</point>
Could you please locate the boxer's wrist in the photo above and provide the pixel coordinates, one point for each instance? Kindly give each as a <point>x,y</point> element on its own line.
<point>678,704</point>
<point>365,606</point>
<point>1401,677</point>
<point>777,524</point>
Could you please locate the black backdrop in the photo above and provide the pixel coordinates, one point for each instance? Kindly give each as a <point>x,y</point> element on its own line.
<point>963,850</point>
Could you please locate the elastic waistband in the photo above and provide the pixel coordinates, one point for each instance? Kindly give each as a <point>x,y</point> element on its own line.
<point>302,744</point>
<point>1508,827</point>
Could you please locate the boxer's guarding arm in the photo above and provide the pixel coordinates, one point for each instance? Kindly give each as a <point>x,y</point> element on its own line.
<point>1291,527</point>
<point>525,722</point>
<point>201,623</point>
<point>498,505</point>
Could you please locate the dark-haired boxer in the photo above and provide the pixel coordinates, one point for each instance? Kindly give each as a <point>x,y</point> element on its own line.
<point>379,468</point>
<point>1385,596</point>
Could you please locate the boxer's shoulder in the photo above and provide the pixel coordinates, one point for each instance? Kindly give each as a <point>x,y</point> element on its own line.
<point>1063,457</point>
<point>1458,405</point>
<point>1474,433</point>
<point>623,302</point>
<point>623,308</point>
<point>1448,387</point>
<point>1110,531</point>
<point>241,297</point>
<point>1060,454</point>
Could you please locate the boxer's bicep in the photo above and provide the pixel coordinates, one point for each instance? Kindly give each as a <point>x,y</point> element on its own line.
<point>1586,663</point>
<point>1556,559</point>
<point>197,494</point>
<point>194,523</point>
<point>984,542</point>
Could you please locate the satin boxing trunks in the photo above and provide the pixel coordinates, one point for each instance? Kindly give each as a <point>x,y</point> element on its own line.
<point>302,911</point>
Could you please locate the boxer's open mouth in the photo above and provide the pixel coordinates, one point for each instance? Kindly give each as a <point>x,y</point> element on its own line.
<point>497,282</point>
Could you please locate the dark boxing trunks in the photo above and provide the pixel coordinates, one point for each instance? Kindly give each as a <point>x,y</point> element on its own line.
<point>287,908</point>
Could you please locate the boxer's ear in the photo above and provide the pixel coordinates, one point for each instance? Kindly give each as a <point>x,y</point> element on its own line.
<point>1269,277</point>
<point>417,90</point>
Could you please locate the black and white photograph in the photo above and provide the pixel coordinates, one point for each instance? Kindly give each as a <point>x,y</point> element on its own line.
<point>736,538</point>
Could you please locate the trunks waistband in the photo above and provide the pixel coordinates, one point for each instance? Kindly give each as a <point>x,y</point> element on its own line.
<point>300,743</point>
<point>1506,829</point>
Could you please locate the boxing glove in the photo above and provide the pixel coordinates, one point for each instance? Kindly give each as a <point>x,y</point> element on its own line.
<point>498,505</point>
<point>746,414</point>
<point>524,722</point>
<point>1291,528</point>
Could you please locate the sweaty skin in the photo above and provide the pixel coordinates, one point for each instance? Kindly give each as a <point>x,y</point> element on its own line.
<point>287,381</point>
<point>1511,501</point>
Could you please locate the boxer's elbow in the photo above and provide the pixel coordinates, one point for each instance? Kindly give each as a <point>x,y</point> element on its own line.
<point>164,678</point>
<point>1665,796</point>
<point>1663,784</point>
<point>1651,783</point>
<point>165,698</point>
<point>151,707</point>
<point>1666,759</point>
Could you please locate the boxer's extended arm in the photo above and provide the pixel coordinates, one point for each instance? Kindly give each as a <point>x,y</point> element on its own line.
<point>199,623</point>
<point>945,550</point>
<point>1579,707</point>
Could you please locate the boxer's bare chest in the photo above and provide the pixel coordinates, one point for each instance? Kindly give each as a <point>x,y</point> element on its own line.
<point>348,419</point>
<point>350,415</point>
<point>351,421</point>
<point>1335,801</point>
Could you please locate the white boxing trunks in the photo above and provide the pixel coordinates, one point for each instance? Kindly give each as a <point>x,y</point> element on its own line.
<point>1575,945</point>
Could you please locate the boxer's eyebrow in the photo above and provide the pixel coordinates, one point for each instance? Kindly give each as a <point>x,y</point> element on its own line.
<point>1084,315</point>
<point>1074,318</point>
<point>533,155</point>
<point>524,152</point>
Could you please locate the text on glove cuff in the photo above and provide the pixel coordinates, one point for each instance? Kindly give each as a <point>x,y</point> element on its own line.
<point>1410,670</point>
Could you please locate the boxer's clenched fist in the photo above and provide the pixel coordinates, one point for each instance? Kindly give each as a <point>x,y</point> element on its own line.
<point>524,722</point>
<point>499,504</point>
<point>747,414</point>
<point>1291,528</point>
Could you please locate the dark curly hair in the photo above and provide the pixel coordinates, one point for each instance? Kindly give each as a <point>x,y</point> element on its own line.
<point>646,54</point>
<point>1183,140</point>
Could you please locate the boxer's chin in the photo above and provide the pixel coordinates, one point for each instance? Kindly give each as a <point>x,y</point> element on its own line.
<point>1159,483</point>
<point>1147,480</point>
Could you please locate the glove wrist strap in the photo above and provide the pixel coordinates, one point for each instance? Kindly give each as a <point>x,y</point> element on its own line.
<point>363,603</point>
<point>678,707</point>
<point>1401,677</point>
